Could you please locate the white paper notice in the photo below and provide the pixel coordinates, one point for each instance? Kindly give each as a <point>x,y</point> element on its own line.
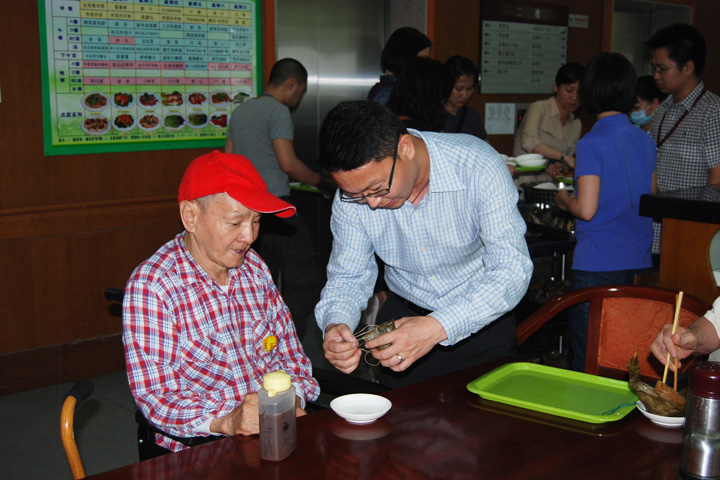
<point>500,118</point>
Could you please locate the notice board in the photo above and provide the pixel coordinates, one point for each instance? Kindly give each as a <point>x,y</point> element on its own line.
<point>522,45</point>
<point>129,75</point>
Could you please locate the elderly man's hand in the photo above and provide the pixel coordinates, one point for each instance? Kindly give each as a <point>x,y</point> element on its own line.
<point>244,420</point>
<point>412,338</point>
<point>341,347</point>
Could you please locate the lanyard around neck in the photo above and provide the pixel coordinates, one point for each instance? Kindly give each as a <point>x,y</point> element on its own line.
<point>660,141</point>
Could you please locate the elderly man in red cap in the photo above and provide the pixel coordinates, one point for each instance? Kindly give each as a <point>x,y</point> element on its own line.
<point>202,319</point>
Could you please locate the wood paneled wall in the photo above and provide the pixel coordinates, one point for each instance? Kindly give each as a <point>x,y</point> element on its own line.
<point>70,226</point>
<point>457,32</point>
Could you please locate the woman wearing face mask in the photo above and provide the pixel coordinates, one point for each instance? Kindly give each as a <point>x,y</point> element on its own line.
<point>549,126</point>
<point>649,97</point>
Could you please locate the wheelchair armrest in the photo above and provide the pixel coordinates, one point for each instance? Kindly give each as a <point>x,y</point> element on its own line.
<point>114,294</point>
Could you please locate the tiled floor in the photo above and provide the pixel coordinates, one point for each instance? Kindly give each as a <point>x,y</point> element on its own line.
<point>105,428</point>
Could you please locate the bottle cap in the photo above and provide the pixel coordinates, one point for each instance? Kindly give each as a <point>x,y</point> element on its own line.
<point>277,381</point>
<point>705,380</point>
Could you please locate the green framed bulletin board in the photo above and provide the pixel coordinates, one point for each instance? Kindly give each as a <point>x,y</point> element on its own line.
<point>131,75</point>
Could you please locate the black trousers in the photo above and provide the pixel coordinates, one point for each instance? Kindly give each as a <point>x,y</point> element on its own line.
<point>497,340</point>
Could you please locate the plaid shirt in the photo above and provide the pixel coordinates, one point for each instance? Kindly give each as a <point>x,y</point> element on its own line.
<point>460,253</point>
<point>193,352</point>
<point>693,148</point>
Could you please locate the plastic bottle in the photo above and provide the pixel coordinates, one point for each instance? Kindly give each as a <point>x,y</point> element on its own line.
<point>276,404</point>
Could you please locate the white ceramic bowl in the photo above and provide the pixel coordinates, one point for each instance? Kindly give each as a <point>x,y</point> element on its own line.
<point>669,422</point>
<point>530,160</point>
<point>360,408</point>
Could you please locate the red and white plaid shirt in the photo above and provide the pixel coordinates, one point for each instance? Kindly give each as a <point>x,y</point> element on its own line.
<point>193,352</point>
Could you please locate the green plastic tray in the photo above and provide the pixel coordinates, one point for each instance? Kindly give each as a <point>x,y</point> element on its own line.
<point>536,168</point>
<point>303,187</point>
<point>564,393</point>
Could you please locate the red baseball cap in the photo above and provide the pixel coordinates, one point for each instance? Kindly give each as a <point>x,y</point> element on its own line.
<point>233,174</point>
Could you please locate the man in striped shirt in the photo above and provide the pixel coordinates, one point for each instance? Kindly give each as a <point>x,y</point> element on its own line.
<point>202,319</point>
<point>440,210</point>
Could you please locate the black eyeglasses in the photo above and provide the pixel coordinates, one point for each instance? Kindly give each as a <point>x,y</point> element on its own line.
<point>360,197</point>
<point>653,69</point>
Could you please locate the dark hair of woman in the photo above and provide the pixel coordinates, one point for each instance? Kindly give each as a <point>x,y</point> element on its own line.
<point>404,44</point>
<point>420,93</point>
<point>569,74</point>
<point>460,66</point>
<point>608,85</point>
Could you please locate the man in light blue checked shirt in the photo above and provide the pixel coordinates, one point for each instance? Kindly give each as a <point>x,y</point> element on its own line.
<point>441,211</point>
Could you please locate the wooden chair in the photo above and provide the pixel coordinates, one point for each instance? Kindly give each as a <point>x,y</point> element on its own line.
<point>623,319</point>
<point>79,392</point>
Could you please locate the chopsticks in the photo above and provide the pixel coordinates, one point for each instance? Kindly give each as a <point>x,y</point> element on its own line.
<point>678,302</point>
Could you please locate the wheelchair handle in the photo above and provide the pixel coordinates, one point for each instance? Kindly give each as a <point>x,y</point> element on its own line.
<point>81,390</point>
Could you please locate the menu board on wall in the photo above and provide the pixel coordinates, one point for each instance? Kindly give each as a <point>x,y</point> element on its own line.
<point>129,75</point>
<point>521,47</point>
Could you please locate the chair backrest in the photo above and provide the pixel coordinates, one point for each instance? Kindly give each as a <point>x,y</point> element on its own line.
<point>79,392</point>
<point>626,319</point>
<point>623,319</point>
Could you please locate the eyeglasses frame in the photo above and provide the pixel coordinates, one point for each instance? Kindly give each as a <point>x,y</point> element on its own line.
<point>378,193</point>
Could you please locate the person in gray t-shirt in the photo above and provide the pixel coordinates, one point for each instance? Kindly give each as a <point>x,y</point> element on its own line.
<point>261,129</point>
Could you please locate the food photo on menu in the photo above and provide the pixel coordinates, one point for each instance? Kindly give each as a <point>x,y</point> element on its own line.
<point>174,99</point>
<point>148,100</point>
<point>149,122</point>
<point>123,100</point>
<point>147,111</point>
<point>197,99</point>
<point>219,120</point>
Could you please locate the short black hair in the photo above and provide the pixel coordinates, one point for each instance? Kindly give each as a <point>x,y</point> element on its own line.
<point>569,73</point>
<point>648,90</point>
<point>608,84</point>
<point>684,43</point>
<point>357,132</point>
<point>460,66</point>
<point>421,91</point>
<point>285,69</point>
<point>404,44</point>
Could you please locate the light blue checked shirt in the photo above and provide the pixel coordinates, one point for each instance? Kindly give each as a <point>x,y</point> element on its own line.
<point>460,253</point>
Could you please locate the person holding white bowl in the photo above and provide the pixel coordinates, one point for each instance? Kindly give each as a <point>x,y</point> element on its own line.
<point>549,126</point>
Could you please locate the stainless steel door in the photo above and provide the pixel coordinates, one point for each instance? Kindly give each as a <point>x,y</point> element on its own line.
<point>339,42</point>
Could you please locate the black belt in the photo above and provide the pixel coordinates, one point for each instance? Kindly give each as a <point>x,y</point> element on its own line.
<point>423,312</point>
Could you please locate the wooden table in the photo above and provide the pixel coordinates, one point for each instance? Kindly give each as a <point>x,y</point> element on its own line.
<point>438,429</point>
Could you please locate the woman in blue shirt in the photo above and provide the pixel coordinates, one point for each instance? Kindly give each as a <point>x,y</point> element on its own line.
<point>615,166</point>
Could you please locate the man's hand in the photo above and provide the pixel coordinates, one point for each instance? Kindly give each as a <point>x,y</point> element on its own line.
<point>341,347</point>
<point>681,345</point>
<point>412,338</point>
<point>244,420</point>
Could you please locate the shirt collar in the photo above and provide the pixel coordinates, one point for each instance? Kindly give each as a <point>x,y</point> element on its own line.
<point>190,270</point>
<point>690,99</point>
<point>556,111</point>
<point>442,176</point>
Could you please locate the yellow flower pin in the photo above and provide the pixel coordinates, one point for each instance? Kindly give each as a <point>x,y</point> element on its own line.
<point>269,343</point>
